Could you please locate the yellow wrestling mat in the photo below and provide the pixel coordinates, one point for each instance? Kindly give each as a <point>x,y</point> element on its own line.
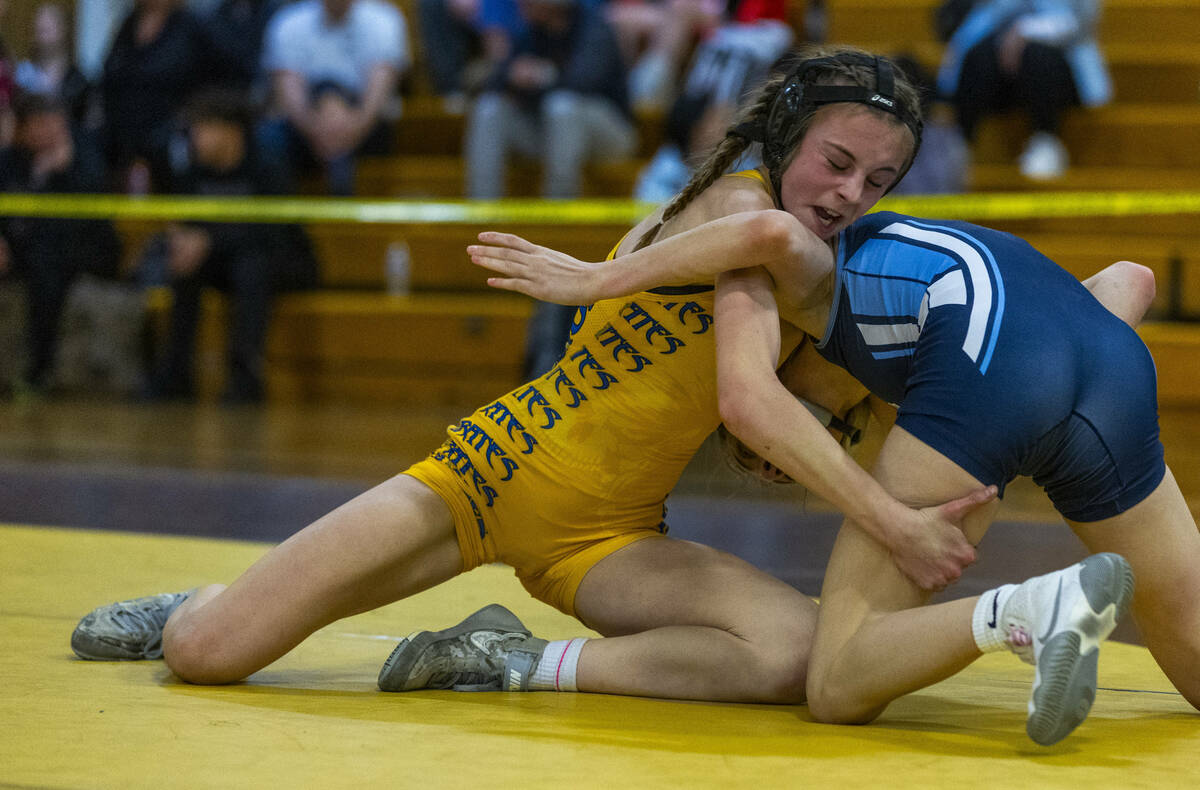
<point>315,718</point>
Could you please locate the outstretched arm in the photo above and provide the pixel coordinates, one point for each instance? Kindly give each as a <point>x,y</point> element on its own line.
<point>795,258</point>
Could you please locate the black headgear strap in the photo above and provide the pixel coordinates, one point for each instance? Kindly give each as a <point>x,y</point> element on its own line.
<point>781,129</point>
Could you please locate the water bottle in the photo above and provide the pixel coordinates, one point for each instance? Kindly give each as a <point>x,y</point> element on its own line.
<point>398,268</point>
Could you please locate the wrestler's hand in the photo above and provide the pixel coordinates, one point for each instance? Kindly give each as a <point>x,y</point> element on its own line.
<point>534,270</point>
<point>936,553</point>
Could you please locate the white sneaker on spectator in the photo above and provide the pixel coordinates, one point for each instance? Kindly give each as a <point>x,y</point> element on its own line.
<point>1044,157</point>
<point>665,175</point>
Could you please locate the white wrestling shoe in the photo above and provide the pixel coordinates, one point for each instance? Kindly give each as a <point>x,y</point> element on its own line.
<point>126,630</point>
<point>489,651</point>
<point>1056,622</point>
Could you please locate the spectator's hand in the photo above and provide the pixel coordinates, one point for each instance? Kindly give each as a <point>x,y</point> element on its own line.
<point>56,158</point>
<point>187,247</point>
<point>338,129</point>
<point>1011,48</point>
<point>529,73</point>
<point>935,552</point>
<point>464,10</point>
<point>536,271</point>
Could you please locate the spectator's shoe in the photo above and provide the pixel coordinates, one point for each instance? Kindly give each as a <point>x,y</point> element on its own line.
<point>664,176</point>
<point>1056,622</point>
<point>126,630</point>
<point>1044,158</point>
<point>489,651</point>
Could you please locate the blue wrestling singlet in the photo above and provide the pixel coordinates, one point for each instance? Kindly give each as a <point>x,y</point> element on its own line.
<point>998,359</point>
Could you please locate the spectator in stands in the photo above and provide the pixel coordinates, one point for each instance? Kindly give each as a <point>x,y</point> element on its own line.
<point>46,254</point>
<point>1041,57</point>
<point>334,67</point>
<point>158,58</point>
<point>50,69</point>
<point>942,164</point>
<point>560,97</point>
<point>463,41</point>
<point>726,66</point>
<point>250,262</point>
<point>235,31</point>
<point>655,38</point>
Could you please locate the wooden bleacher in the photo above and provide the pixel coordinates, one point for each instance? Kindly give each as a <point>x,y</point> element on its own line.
<point>455,341</point>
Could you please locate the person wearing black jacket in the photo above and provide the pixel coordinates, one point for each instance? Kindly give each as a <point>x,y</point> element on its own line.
<point>48,254</point>
<point>158,58</point>
<point>250,262</point>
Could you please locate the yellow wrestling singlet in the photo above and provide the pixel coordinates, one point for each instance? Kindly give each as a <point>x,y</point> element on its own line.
<point>556,475</point>
<point>562,471</point>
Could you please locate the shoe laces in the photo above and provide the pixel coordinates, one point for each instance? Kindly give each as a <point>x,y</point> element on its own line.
<point>479,660</point>
<point>133,616</point>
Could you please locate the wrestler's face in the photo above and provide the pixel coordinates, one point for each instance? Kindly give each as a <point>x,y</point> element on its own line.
<point>846,161</point>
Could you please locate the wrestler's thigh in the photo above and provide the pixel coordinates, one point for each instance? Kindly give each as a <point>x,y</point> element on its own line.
<point>388,543</point>
<point>661,582</point>
<point>1159,538</point>
<point>862,580</point>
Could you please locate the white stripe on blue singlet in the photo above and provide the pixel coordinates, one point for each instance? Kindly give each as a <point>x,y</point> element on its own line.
<point>981,283</point>
<point>889,334</point>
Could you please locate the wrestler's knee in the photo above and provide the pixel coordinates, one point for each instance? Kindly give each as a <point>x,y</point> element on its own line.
<point>834,698</point>
<point>781,664</point>
<point>199,651</point>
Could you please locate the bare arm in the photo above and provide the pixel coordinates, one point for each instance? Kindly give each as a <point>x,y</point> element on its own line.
<point>291,91</point>
<point>928,544</point>
<point>381,84</point>
<point>797,260</point>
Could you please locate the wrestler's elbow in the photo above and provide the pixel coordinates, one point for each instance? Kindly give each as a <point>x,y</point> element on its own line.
<point>770,235</point>
<point>794,256</point>
<point>741,408</point>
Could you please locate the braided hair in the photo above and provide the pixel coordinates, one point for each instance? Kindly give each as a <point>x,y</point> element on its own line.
<point>779,115</point>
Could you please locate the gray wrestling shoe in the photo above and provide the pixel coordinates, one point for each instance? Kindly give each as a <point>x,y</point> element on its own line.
<point>1056,622</point>
<point>126,630</point>
<point>489,651</point>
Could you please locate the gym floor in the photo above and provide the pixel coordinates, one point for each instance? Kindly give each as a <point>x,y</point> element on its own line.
<point>107,501</point>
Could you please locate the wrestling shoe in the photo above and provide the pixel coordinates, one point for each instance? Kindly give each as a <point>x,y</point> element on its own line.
<point>126,630</point>
<point>1056,622</point>
<point>489,651</point>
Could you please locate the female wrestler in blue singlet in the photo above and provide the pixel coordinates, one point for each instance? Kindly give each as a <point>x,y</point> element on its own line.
<point>1001,364</point>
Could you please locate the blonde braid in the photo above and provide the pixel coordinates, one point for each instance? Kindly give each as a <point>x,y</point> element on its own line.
<point>722,156</point>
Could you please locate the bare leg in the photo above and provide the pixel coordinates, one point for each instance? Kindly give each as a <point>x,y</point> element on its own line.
<point>686,621</point>
<point>391,542</point>
<point>1125,288</point>
<point>872,644</point>
<point>1159,538</point>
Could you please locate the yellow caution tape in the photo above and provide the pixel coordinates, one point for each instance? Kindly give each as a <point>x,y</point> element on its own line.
<point>978,207</point>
